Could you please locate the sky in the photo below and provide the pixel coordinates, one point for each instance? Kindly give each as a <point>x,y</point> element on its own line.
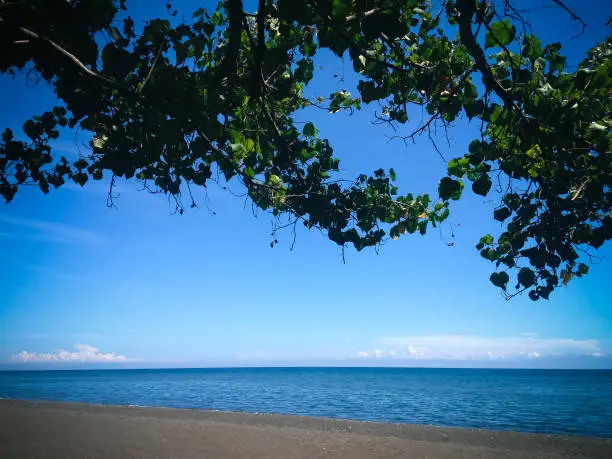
<point>137,285</point>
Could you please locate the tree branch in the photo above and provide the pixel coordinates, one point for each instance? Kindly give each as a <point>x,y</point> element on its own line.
<point>259,81</point>
<point>152,67</point>
<point>573,15</point>
<point>467,9</point>
<point>66,53</point>
<point>235,14</point>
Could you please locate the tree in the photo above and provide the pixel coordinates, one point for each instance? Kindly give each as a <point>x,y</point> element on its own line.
<point>177,105</point>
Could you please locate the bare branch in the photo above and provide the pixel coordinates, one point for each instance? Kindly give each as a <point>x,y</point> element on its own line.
<point>111,196</point>
<point>66,53</point>
<point>159,51</point>
<point>467,9</point>
<point>573,15</point>
<point>579,190</point>
<point>228,67</point>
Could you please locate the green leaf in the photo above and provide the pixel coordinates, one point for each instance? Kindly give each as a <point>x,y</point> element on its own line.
<point>275,181</point>
<point>217,18</point>
<point>482,185</point>
<point>476,146</point>
<point>487,239</point>
<point>556,63</point>
<point>546,89</point>
<point>500,279</point>
<point>583,269</point>
<point>597,127</point>
<point>309,130</point>
<point>7,135</point>
<point>473,108</point>
<point>369,91</point>
<point>342,8</point>
<point>80,164</point>
<point>512,200</point>
<point>526,277</point>
<point>392,174</point>
<point>31,129</point>
<point>457,166</point>
<point>501,214</point>
<point>98,142</point>
<point>249,172</point>
<point>80,178</point>
<point>500,33</point>
<point>181,52</point>
<point>306,154</point>
<point>237,147</point>
<point>59,111</point>
<point>249,146</point>
<point>305,70</point>
<point>43,185</point>
<point>490,254</point>
<point>532,47</point>
<point>309,47</point>
<point>470,90</point>
<point>450,189</point>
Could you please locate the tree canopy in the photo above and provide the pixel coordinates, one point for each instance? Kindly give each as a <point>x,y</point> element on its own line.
<point>175,104</point>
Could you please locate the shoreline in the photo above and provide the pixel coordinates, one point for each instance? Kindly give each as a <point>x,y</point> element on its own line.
<point>66,429</point>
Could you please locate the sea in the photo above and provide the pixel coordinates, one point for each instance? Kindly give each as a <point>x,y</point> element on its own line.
<point>575,402</point>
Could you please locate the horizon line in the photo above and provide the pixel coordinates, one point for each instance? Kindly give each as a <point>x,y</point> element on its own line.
<point>6,368</point>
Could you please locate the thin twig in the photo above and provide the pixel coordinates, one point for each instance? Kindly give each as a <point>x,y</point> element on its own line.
<point>159,51</point>
<point>352,17</point>
<point>573,15</point>
<point>579,190</point>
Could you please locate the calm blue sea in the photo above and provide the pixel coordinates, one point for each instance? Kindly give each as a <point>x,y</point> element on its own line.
<point>545,401</point>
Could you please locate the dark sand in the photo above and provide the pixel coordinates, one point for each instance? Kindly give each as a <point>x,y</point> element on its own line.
<point>72,430</point>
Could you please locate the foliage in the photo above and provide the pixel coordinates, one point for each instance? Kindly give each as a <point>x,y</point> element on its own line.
<point>175,105</point>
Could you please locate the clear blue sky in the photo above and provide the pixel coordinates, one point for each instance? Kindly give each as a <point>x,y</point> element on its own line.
<point>137,285</point>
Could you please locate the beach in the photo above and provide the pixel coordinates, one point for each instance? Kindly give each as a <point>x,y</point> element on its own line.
<point>73,430</point>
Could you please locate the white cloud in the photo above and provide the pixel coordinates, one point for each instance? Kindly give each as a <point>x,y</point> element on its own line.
<point>47,231</point>
<point>377,354</point>
<point>466,347</point>
<point>83,353</point>
<point>415,351</point>
<point>492,356</point>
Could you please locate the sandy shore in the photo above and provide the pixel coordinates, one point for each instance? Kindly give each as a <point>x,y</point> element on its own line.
<point>72,430</point>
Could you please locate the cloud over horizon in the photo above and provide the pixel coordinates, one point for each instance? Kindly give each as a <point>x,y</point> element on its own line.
<point>84,353</point>
<point>466,347</point>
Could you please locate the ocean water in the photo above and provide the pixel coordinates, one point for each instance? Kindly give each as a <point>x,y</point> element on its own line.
<point>543,401</point>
